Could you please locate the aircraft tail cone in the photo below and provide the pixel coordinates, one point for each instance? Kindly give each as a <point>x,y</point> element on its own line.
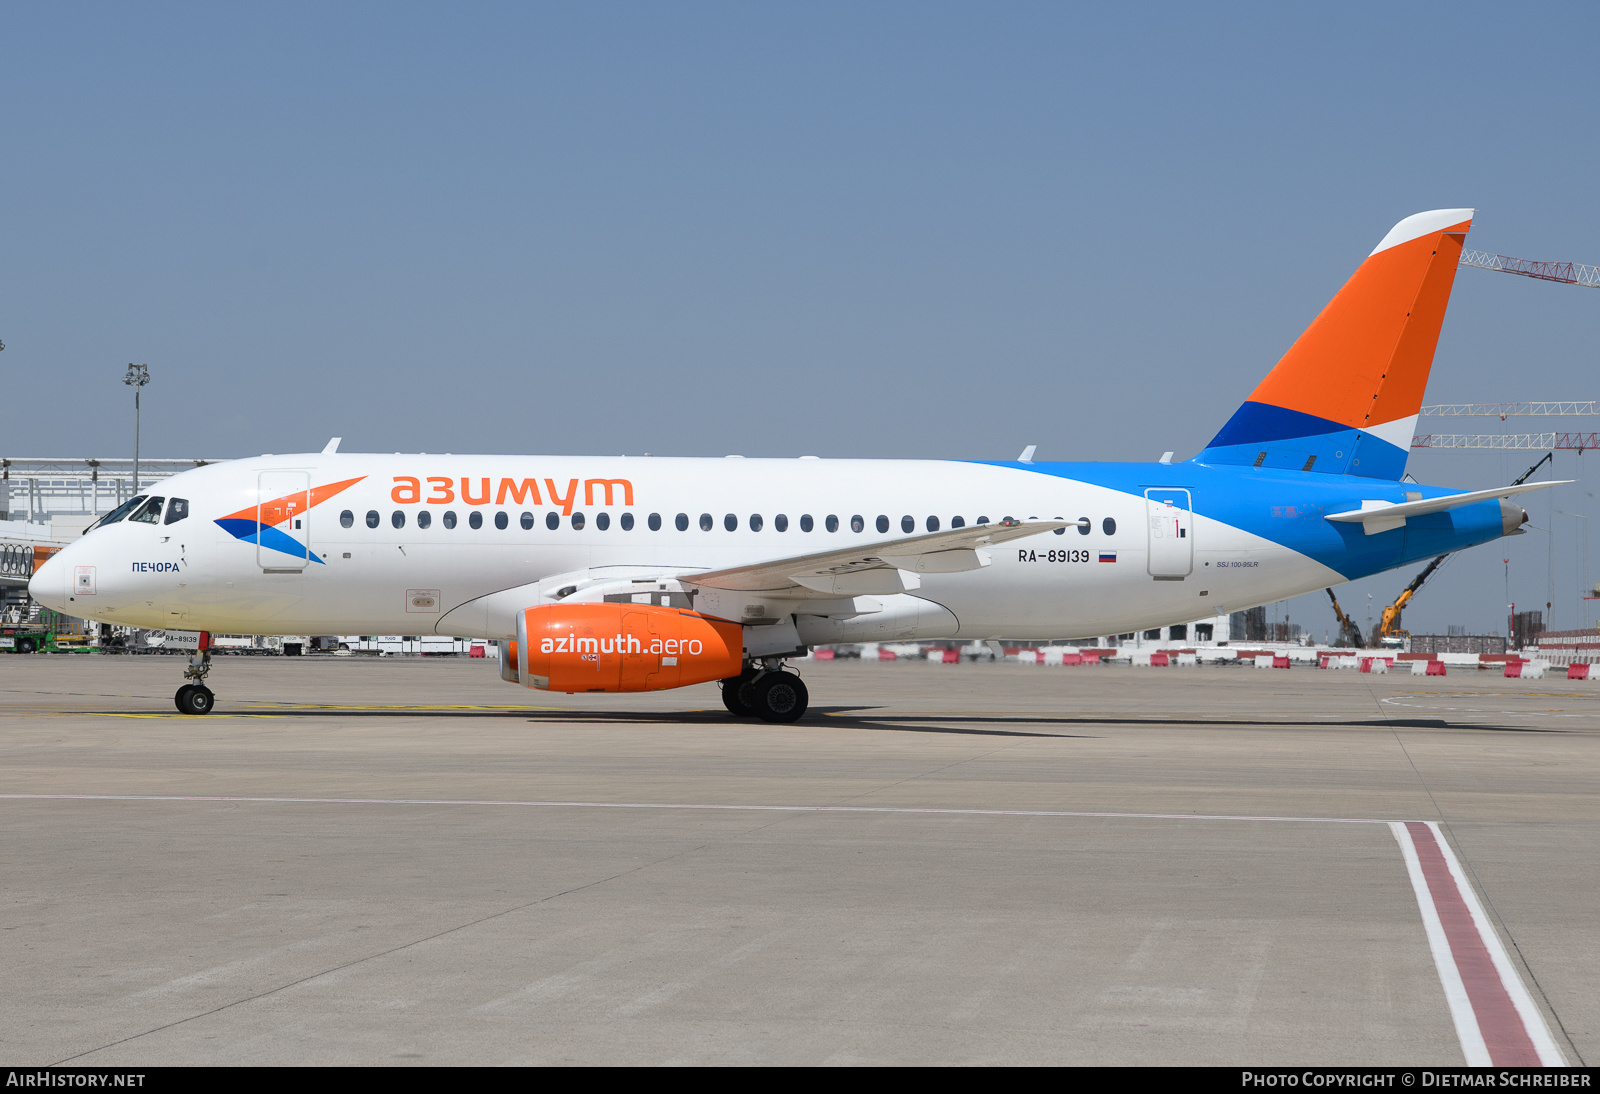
<point>1512,518</point>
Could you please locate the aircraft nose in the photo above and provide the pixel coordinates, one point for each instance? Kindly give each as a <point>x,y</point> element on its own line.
<point>49,583</point>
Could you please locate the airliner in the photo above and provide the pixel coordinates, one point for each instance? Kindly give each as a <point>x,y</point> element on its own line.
<point>608,574</point>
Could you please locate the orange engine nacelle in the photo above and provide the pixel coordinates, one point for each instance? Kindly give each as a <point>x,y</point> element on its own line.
<point>623,647</point>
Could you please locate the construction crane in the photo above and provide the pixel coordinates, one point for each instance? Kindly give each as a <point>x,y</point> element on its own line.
<point>1559,442</point>
<point>1568,273</point>
<point>1551,409</point>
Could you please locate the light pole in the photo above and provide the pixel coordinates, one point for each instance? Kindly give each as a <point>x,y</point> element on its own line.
<point>136,377</point>
<point>1581,569</point>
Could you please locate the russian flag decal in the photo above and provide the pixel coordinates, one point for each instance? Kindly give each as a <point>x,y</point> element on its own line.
<point>1108,556</point>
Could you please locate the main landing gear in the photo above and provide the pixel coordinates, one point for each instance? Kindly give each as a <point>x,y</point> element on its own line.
<point>196,698</point>
<point>766,692</point>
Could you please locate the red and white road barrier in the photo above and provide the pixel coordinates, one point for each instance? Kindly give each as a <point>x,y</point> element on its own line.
<point>1496,1019</point>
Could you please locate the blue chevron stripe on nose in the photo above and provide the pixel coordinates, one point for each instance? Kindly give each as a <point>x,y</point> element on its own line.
<point>269,537</point>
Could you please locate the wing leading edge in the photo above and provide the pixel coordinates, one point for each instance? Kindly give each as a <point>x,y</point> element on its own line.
<point>888,566</point>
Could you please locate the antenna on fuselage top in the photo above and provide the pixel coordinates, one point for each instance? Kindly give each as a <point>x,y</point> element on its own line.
<point>1027,454</point>
<point>332,446</point>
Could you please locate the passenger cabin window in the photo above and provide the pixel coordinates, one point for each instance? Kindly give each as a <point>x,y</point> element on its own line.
<point>908,524</point>
<point>149,512</point>
<point>706,522</point>
<point>682,522</point>
<point>857,523</point>
<point>398,519</point>
<point>1085,526</point>
<point>475,519</point>
<point>958,522</point>
<point>1110,526</point>
<point>882,522</point>
<point>602,521</point>
<point>654,522</point>
<point>832,523</point>
<point>730,522</point>
<point>347,519</point>
<point>577,522</point>
<point>805,522</point>
<point>933,524</point>
<point>424,518</point>
<point>552,521</point>
<point>755,522</point>
<point>981,520</point>
<point>527,521</point>
<point>177,509</point>
<point>780,522</point>
<point>626,520</point>
<point>449,518</point>
<point>501,520</point>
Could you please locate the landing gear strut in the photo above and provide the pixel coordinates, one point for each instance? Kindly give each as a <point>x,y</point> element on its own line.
<point>767,692</point>
<point>196,698</point>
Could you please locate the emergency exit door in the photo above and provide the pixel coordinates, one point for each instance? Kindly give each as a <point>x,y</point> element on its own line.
<point>1171,532</point>
<point>283,522</point>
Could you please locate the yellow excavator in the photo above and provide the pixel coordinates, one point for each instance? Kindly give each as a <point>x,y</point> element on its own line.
<point>1349,632</point>
<point>1389,624</point>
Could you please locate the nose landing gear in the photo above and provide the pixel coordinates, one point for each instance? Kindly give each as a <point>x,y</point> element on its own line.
<point>766,692</point>
<point>196,698</point>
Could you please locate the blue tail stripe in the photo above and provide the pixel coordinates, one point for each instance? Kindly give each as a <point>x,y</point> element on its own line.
<point>1253,423</point>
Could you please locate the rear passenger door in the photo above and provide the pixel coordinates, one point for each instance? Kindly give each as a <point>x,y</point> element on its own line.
<point>1171,522</point>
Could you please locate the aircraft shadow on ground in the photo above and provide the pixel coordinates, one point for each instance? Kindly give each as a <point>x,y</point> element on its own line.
<point>859,717</point>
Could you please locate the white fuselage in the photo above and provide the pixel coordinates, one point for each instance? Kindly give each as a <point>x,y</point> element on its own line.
<point>398,577</point>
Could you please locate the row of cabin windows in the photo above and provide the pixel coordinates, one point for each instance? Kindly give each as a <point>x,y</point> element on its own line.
<point>756,523</point>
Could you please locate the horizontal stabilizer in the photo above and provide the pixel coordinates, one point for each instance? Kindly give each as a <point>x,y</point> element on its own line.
<point>1381,516</point>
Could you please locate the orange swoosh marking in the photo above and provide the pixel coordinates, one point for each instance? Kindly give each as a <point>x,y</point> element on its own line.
<point>281,509</point>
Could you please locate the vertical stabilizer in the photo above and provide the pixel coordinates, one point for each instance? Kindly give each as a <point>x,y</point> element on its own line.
<point>1344,399</point>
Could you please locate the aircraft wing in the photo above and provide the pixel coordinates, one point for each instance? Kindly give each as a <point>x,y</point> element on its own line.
<point>888,566</point>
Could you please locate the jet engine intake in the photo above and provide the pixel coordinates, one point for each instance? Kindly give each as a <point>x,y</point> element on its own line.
<point>623,647</point>
<point>508,662</point>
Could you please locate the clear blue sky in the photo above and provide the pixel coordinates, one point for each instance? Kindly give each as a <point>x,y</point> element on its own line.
<point>857,229</point>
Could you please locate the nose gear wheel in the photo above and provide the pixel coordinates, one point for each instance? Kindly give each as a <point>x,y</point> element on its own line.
<point>194,699</point>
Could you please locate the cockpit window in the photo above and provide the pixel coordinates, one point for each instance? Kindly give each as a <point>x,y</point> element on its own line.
<point>177,509</point>
<point>149,512</point>
<point>119,513</point>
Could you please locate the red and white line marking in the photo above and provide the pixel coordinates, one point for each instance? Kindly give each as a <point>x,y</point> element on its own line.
<point>1495,1017</point>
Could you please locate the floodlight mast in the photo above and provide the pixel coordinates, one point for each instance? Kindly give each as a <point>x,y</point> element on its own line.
<point>136,377</point>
